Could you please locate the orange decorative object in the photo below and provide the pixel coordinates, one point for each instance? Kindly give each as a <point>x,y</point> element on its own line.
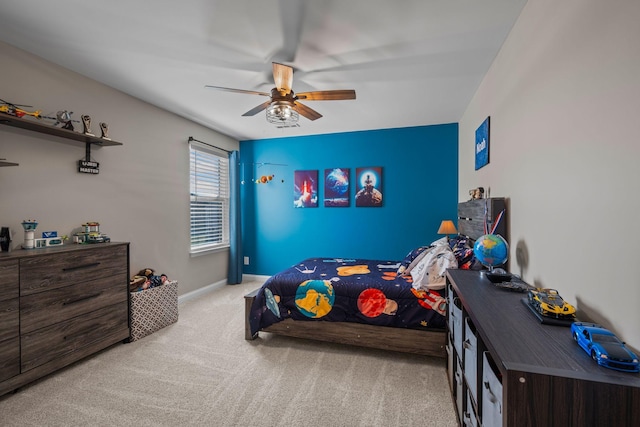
<point>351,270</point>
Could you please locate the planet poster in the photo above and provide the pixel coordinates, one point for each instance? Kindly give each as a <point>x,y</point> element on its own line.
<point>369,187</point>
<point>336,187</point>
<point>305,189</point>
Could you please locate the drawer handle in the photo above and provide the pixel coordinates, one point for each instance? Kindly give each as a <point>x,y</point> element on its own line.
<point>492,397</point>
<point>88,297</point>
<point>74,336</point>
<point>80,267</point>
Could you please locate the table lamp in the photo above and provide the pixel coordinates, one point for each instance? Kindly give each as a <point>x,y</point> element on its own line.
<point>447,227</point>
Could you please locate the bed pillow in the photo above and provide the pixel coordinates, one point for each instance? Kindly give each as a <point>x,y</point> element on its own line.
<point>462,247</point>
<point>429,273</point>
<point>411,256</point>
<point>417,260</point>
<point>440,242</point>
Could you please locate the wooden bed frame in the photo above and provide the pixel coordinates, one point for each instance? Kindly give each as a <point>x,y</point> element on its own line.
<point>423,342</point>
<point>427,343</point>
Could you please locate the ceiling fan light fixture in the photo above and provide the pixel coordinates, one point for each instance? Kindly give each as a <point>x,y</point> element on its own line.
<point>282,114</point>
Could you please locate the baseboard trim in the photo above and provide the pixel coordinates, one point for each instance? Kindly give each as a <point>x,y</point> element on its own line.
<point>201,291</point>
<point>214,286</point>
<point>254,277</point>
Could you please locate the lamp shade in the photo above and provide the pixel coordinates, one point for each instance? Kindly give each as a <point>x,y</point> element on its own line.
<point>447,227</point>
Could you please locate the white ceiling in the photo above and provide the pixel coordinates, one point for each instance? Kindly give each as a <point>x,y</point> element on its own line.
<point>411,62</point>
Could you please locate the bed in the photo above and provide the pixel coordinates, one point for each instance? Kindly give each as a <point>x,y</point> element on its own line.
<point>385,304</point>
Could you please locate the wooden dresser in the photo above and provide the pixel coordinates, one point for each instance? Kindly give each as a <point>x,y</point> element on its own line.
<point>59,305</point>
<point>505,368</point>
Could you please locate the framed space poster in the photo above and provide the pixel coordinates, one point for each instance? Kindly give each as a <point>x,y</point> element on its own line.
<point>305,189</point>
<point>336,187</point>
<point>369,187</point>
<point>482,144</point>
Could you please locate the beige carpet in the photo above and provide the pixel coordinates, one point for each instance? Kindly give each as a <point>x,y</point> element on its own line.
<point>201,372</point>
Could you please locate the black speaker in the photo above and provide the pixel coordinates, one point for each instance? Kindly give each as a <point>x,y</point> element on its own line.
<point>5,239</point>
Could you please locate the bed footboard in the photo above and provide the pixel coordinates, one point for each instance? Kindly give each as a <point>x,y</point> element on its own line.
<point>423,342</point>
<point>248,301</point>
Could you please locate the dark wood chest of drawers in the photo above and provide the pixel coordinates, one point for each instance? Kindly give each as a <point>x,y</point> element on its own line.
<point>59,305</point>
<point>508,369</point>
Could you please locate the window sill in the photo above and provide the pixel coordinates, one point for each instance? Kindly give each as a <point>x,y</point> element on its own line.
<point>209,251</point>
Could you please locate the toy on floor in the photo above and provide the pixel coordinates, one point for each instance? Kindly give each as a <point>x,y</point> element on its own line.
<point>147,279</point>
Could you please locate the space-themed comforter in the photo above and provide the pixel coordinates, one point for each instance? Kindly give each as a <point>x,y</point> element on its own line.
<point>347,290</point>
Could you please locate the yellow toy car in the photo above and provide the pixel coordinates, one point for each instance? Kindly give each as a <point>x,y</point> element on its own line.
<point>548,302</point>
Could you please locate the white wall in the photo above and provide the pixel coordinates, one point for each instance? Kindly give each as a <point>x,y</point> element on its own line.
<point>142,192</point>
<point>563,95</point>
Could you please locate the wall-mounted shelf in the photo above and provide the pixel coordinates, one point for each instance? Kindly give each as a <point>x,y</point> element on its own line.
<point>32,125</point>
<point>3,163</point>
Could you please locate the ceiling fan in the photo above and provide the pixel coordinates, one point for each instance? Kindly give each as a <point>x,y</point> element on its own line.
<point>283,107</point>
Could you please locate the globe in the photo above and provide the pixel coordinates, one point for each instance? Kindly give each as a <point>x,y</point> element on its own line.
<point>491,250</point>
<point>314,298</point>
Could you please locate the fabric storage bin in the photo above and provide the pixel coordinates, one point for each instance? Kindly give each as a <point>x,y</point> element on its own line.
<point>470,346</point>
<point>153,309</point>
<point>470,419</point>
<point>492,393</point>
<point>456,319</point>
<point>459,390</point>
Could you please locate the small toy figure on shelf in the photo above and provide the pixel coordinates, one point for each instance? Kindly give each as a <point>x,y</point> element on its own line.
<point>86,121</point>
<point>16,110</point>
<point>477,193</point>
<point>29,226</point>
<point>104,127</point>
<point>91,234</point>
<point>63,117</point>
<point>49,238</point>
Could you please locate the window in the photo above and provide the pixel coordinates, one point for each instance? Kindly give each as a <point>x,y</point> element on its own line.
<point>209,204</point>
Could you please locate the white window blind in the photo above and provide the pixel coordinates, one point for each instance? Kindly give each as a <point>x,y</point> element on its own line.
<point>209,181</point>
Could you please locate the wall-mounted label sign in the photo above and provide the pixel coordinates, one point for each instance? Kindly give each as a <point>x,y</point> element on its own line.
<point>85,166</point>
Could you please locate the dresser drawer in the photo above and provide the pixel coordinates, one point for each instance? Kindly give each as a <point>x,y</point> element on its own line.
<point>9,285</point>
<point>53,271</point>
<point>46,308</point>
<point>46,344</point>
<point>9,319</point>
<point>9,358</point>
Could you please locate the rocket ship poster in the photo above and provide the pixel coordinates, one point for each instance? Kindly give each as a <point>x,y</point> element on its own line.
<point>305,189</point>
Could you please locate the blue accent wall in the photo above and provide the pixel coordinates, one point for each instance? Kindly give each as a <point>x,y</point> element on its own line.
<point>420,188</point>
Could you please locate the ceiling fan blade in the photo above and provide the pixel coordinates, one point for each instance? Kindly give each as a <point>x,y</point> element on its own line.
<point>228,89</point>
<point>327,95</point>
<point>283,77</point>
<point>306,111</point>
<point>257,109</point>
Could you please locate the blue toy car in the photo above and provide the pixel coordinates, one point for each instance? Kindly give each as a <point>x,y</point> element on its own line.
<point>604,347</point>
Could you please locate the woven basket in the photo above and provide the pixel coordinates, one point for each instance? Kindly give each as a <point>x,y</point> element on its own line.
<point>153,309</point>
